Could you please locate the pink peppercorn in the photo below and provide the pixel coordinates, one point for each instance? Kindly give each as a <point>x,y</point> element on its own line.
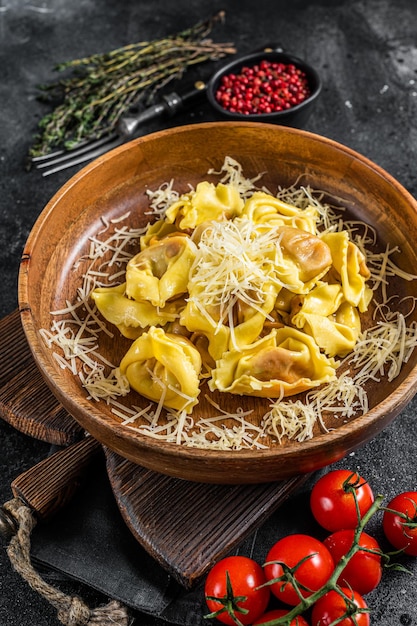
<point>267,87</point>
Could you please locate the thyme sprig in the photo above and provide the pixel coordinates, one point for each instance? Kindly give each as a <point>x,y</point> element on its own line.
<point>103,87</point>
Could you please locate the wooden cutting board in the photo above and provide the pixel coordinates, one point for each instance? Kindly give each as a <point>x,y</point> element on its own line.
<point>25,400</point>
<point>185,526</point>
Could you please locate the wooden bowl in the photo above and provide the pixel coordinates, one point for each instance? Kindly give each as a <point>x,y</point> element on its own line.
<point>116,183</point>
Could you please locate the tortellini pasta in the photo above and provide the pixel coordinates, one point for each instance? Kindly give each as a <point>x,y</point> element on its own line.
<point>131,316</point>
<point>334,324</point>
<point>160,272</point>
<point>245,328</point>
<point>159,365</point>
<point>157,231</point>
<point>262,208</point>
<point>302,259</point>
<point>283,363</point>
<point>349,262</point>
<point>244,293</point>
<point>208,202</point>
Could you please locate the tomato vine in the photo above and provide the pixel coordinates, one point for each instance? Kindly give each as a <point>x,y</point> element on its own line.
<point>302,590</point>
<point>332,583</point>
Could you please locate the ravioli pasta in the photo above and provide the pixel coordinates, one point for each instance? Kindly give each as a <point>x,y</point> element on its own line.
<point>242,292</point>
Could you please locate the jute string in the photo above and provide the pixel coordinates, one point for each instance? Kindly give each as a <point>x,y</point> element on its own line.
<point>72,611</point>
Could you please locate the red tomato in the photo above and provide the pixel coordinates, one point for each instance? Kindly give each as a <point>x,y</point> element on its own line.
<point>310,576</point>
<point>400,528</point>
<point>277,613</point>
<point>364,570</point>
<point>332,606</point>
<point>244,597</point>
<point>332,501</point>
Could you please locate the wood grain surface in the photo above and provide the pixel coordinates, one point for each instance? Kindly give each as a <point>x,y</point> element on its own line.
<point>187,526</point>
<point>49,485</point>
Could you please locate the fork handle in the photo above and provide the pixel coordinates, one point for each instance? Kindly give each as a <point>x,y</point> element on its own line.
<point>170,105</point>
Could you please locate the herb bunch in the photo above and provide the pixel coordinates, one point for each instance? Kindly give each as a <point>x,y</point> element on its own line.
<point>103,87</point>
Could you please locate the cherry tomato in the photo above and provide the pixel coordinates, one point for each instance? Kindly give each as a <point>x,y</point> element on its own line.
<point>400,528</point>
<point>310,575</point>
<point>364,570</point>
<point>332,501</point>
<point>233,585</point>
<point>332,606</point>
<point>276,614</point>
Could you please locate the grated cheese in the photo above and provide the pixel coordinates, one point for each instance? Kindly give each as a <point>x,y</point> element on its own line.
<point>292,420</point>
<point>160,199</point>
<point>382,349</point>
<point>100,386</point>
<point>231,265</point>
<point>382,268</point>
<point>233,175</point>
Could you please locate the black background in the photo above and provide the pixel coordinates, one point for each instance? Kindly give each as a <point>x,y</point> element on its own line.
<point>366,54</point>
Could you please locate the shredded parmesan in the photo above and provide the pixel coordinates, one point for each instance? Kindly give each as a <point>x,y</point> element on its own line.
<point>160,199</point>
<point>230,266</point>
<point>383,268</point>
<point>382,350</point>
<point>76,328</point>
<point>343,397</point>
<point>233,175</point>
<point>107,387</point>
<point>292,420</point>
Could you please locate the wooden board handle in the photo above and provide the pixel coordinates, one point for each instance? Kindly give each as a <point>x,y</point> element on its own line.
<point>48,485</point>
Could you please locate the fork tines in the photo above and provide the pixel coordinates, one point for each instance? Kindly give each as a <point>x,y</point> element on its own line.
<point>85,151</point>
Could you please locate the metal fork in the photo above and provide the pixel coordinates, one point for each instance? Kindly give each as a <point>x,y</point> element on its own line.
<point>88,150</point>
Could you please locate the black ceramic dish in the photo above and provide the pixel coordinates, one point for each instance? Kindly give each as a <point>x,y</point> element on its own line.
<point>296,116</point>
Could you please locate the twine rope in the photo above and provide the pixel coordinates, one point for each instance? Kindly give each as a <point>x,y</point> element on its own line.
<point>71,610</point>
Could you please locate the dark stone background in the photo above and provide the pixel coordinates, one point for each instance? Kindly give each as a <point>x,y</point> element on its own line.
<point>366,53</point>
